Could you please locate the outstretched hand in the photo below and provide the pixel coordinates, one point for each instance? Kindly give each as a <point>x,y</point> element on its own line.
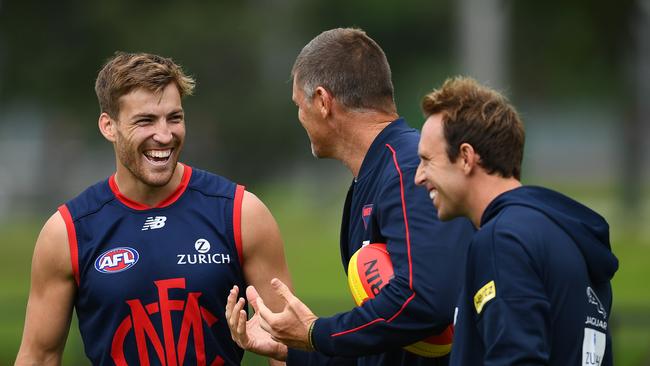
<point>247,333</point>
<point>291,325</point>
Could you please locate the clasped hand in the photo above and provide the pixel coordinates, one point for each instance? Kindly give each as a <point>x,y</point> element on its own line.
<point>268,333</point>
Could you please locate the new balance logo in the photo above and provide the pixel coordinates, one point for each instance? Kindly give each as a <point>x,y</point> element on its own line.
<point>154,222</point>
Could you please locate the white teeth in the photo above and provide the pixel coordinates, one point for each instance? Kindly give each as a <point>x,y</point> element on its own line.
<point>158,153</point>
<point>432,194</point>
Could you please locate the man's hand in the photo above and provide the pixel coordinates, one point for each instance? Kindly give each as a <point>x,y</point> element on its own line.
<point>291,325</point>
<point>247,333</point>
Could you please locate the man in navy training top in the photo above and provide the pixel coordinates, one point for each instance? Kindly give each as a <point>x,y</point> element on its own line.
<point>537,285</point>
<point>147,257</point>
<point>343,90</point>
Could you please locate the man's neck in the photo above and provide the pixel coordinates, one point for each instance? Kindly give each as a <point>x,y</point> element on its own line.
<point>138,191</point>
<point>485,191</point>
<point>358,131</point>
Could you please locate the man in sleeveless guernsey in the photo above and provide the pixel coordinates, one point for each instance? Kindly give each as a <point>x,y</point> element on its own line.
<point>537,286</point>
<point>148,256</point>
<point>343,90</point>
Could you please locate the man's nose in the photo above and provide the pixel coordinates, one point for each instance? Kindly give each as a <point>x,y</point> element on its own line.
<point>163,133</point>
<point>419,175</point>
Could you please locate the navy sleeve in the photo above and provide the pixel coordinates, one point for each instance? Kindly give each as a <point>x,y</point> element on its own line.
<point>420,299</point>
<point>510,304</point>
<point>304,358</point>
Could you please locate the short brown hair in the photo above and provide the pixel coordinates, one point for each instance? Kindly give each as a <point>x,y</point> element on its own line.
<point>350,65</point>
<point>127,71</point>
<point>482,117</point>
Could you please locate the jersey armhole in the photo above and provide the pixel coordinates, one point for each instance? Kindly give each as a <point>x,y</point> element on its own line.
<point>72,241</point>
<point>236,221</point>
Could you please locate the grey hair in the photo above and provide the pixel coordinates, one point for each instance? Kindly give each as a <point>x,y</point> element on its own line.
<point>350,65</point>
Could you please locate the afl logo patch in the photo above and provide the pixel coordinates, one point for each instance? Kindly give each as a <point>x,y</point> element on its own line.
<point>117,260</point>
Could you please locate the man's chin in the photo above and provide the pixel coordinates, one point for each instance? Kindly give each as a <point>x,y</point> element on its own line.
<point>158,179</point>
<point>314,153</point>
<point>156,182</point>
<point>319,153</point>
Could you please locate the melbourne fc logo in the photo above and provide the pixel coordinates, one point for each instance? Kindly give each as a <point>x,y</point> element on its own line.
<point>117,260</point>
<point>169,327</point>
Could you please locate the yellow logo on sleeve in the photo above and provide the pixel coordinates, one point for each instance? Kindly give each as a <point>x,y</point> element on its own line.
<point>485,294</point>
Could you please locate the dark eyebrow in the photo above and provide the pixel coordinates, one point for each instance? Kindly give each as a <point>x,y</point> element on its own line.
<point>143,115</point>
<point>176,111</point>
<point>153,116</point>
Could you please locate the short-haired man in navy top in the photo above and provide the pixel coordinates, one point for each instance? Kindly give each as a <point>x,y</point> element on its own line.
<point>537,286</point>
<point>343,90</point>
<point>148,256</point>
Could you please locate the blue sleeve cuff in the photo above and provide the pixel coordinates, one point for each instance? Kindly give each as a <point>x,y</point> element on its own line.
<point>297,357</point>
<point>321,337</point>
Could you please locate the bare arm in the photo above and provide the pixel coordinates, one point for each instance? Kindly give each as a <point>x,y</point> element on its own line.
<point>263,255</point>
<point>51,296</point>
<point>263,250</point>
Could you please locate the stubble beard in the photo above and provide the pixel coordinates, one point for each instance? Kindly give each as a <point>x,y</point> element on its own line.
<point>132,159</point>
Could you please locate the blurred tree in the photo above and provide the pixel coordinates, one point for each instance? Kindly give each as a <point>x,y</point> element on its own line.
<point>561,49</point>
<point>636,126</point>
<point>241,120</point>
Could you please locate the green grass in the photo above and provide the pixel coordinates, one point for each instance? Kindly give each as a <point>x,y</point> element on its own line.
<point>17,241</point>
<point>630,318</point>
<point>310,226</point>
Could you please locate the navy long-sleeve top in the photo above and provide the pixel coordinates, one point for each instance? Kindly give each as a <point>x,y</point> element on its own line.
<point>537,289</point>
<point>385,206</point>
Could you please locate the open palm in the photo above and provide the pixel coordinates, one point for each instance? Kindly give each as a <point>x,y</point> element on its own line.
<point>248,333</point>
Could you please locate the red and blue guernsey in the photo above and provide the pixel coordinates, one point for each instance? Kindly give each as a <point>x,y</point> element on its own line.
<point>153,281</point>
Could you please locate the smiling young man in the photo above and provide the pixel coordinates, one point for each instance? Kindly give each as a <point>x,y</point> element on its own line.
<point>537,286</point>
<point>147,257</point>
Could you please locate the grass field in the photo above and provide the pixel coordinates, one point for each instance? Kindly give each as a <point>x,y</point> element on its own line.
<point>310,225</point>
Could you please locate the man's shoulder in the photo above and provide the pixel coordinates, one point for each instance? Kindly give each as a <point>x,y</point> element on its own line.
<point>90,200</point>
<point>401,152</point>
<point>405,143</point>
<point>211,184</point>
<point>518,219</point>
<point>516,229</point>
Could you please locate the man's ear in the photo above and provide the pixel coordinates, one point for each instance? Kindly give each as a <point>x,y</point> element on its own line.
<point>107,126</point>
<point>468,157</point>
<point>322,101</point>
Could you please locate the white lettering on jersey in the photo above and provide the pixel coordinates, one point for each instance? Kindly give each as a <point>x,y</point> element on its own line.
<point>215,258</point>
<point>596,323</point>
<point>115,259</point>
<point>203,257</point>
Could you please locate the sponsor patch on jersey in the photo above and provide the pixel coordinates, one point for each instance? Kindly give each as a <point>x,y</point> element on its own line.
<point>154,222</point>
<point>594,300</point>
<point>593,347</point>
<point>116,260</point>
<point>366,211</point>
<point>202,245</point>
<point>204,256</point>
<point>485,294</point>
